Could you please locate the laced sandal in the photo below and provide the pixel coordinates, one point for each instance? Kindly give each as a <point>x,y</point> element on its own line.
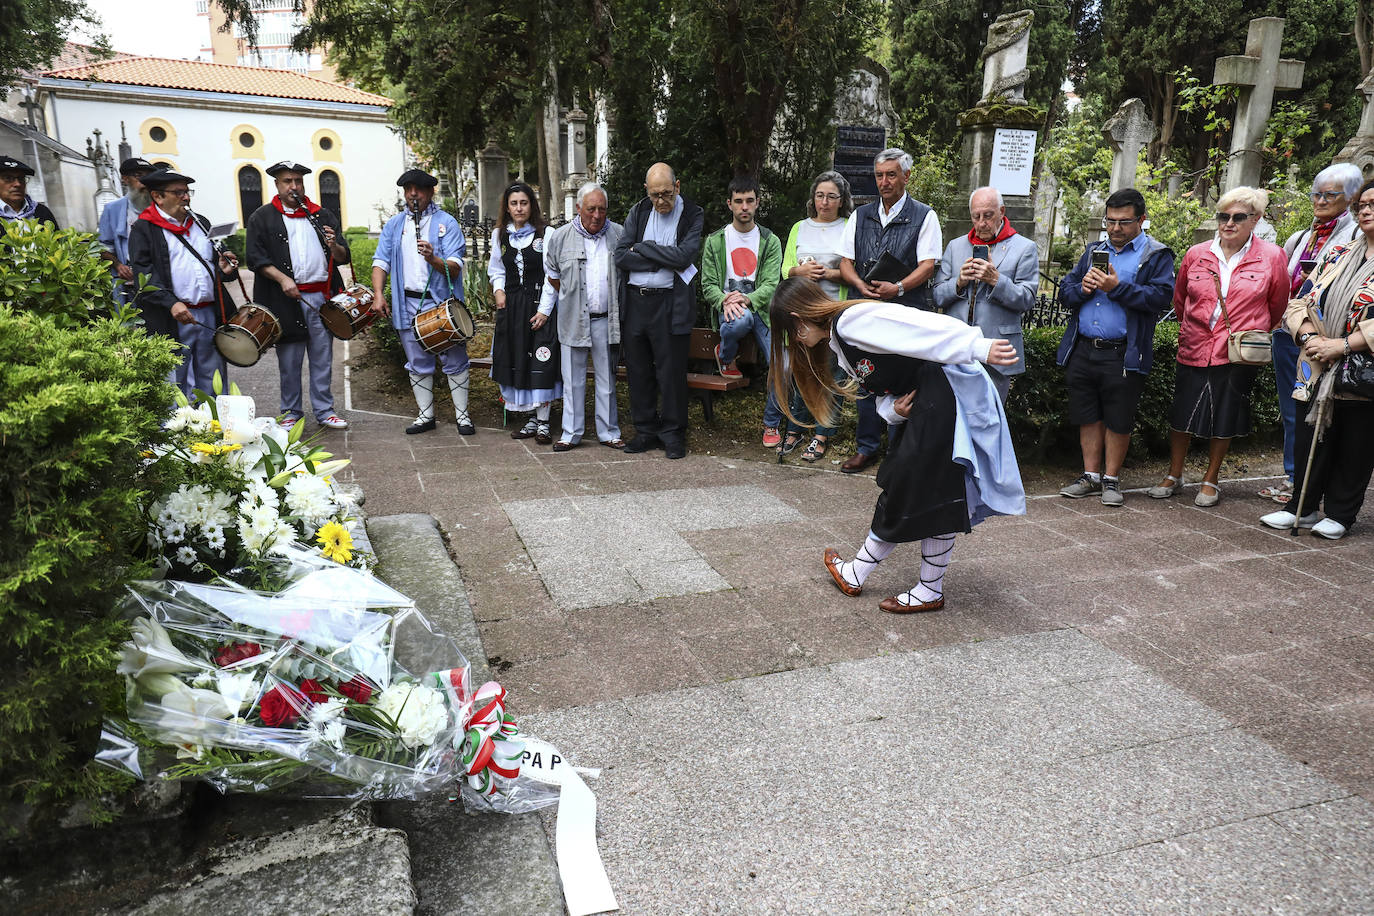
<point>543,434</point>
<point>815,449</point>
<point>528,431</point>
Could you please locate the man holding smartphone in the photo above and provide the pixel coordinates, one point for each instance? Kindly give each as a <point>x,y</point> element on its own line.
<point>989,277</point>
<point>1116,293</point>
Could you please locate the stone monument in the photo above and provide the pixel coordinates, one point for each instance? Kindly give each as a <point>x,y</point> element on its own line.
<point>864,119</point>
<point>493,174</point>
<point>1360,149</point>
<point>1001,131</point>
<point>1127,132</point>
<point>575,168</point>
<point>1259,73</point>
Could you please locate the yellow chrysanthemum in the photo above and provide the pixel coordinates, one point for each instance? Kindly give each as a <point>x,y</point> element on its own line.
<point>214,448</point>
<point>215,427</point>
<point>336,542</point>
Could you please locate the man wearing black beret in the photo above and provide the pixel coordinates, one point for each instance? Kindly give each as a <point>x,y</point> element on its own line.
<point>15,202</point>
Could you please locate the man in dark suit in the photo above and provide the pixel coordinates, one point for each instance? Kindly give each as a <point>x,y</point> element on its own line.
<point>15,202</point>
<point>186,298</point>
<point>295,248</point>
<point>656,258</point>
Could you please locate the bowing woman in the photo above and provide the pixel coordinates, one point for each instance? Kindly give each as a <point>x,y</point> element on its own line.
<point>524,346</point>
<point>950,462</point>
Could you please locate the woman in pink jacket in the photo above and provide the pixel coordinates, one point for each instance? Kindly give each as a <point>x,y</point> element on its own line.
<point>1212,395</point>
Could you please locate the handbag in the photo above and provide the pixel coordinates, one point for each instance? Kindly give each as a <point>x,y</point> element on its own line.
<point>1244,348</point>
<point>1355,375</point>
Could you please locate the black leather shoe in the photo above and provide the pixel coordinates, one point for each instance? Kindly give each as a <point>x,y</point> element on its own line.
<point>467,429</point>
<point>641,444</point>
<point>675,450</point>
<point>419,426</point>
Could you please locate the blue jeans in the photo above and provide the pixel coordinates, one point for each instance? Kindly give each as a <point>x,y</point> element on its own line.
<point>868,431</point>
<point>1285,377</point>
<point>731,333</point>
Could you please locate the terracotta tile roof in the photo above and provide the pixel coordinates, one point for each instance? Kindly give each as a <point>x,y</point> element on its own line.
<point>227,78</point>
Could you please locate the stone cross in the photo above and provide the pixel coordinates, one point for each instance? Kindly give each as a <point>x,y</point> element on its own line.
<point>1127,132</point>
<point>1259,73</point>
<point>1004,59</point>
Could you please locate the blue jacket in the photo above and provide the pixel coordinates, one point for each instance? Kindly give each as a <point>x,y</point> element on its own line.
<point>1145,300</point>
<point>447,238</point>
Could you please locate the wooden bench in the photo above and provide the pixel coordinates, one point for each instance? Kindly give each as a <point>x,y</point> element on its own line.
<point>704,385</point>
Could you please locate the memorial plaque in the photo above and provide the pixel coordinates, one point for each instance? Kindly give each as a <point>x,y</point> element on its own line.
<point>855,148</point>
<point>1013,160</point>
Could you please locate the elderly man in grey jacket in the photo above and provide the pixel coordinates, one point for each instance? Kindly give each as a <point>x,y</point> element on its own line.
<point>580,271</point>
<point>989,277</point>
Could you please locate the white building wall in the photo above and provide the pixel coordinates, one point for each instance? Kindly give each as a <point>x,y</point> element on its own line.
<point>371,156</point>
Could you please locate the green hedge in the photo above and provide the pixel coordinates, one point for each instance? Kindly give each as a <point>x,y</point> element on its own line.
<point>53,272</point>
<point>1039,399</point>
<point>77,406</point>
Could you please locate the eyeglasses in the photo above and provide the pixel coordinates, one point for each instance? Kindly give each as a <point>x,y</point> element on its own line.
<point>1364,205</point>
<point>1224,218</point>
<point>1327,196</point>
<point>187,193</point>
<point>823,196</point>
<point>1122,223</point>
<point>662,195</point>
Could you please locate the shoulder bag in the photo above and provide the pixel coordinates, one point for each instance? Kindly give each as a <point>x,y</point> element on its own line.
<point>1244,348</point>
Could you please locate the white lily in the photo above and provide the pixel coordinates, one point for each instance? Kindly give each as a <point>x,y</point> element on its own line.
<point>151,652</point>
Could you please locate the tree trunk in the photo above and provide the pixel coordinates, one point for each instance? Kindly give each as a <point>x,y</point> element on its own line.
<point>552,194</point>
<point>543,168</point>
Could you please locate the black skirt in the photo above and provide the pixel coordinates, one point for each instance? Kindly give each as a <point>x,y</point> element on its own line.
<point>924,493</point>
<point>1213,402</point>
<point>522,357</point>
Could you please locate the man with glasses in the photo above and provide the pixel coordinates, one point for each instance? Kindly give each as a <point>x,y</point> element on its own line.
<point>15,202</point>
<point>117,220</point>
<point>186,298</point>
<point>656,257</point>
<point>1109,344</point>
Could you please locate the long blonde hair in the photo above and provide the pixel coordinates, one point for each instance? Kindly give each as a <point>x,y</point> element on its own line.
<point>794,362</point>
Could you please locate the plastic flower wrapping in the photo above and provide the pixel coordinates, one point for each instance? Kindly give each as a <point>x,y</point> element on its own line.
<point>335,686</point>
<point>232,490</point>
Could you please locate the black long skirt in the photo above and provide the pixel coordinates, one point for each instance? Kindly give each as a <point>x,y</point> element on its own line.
<point>522,357</point>
<point>1213,402</point>
<point>924,494</point>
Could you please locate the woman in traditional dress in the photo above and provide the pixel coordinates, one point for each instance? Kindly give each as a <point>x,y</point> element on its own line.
<point>950,463</point>
<point>524,346</point>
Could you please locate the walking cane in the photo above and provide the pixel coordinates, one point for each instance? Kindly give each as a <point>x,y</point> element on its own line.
<point>1307,474</point>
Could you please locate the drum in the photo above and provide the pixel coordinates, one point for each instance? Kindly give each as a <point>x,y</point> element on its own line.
<point>249,334</point>
<point>445,326</point>
<point>349,313</point>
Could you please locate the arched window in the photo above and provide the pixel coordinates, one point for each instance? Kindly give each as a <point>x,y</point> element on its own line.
<point>330,198</point>
<point>250,191</point>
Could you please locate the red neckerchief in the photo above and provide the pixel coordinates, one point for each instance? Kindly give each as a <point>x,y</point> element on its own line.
<point>153,215</point>
<point>1320,233</point>
<point>1003,234</point>
<point>309,208</point>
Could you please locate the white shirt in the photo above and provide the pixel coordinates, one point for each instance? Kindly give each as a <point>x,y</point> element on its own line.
<point>663,230</point>
<point>1226,266</point>
<point>496,265</point>
<point>307,254</point>
<point>741,259</point>
<point>190,280</point>
<point>820,242</point>
<point>598,272</point>
<point>417,269</point>
<point>928,243</point>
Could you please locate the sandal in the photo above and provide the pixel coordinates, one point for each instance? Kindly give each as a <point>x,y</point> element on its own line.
<point>790,444</point>
<point>815,449</point>
<point>1279,492</point>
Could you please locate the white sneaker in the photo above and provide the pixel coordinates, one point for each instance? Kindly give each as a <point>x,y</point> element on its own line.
<point>1282,520</point>
<point>288,421</point>
<point>334,421</point>
<point>1330,529</point>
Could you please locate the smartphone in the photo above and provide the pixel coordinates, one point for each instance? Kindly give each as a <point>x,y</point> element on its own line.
<point>1101,260</point>
<point>980,252</point>
<point>1307,264</point>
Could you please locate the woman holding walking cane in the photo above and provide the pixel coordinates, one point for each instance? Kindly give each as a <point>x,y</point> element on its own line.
<point>1334,327</point>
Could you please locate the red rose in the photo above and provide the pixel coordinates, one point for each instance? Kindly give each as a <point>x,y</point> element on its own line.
<point>357,689</point>
<point>281,705</point>
<point>314,690</point>
<point>227,655</point>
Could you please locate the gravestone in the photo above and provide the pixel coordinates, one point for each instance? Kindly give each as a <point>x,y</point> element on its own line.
<point>864,119</point>
<point>855,149</point>
<point>1259,73</point>
<point>1360,149</point>
<point>1127,132</point>
<point>493,174</point>
<point>1001,131</point>
<point>575,163</point>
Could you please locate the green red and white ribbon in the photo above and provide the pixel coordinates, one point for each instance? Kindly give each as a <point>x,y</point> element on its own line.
<point>490,747</point>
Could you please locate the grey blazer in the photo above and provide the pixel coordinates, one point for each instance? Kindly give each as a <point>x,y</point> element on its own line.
<point>997,311</point>
<point>565,251</point>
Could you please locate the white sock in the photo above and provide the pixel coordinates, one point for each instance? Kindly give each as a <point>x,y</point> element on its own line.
<point>935,556</point>
<point>542,412</point>
<point>458,388</point>
<point>873,552</point>
<point>1093,476</point>
<point>422,386</point>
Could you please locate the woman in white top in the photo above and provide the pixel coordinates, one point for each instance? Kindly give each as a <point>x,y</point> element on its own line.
<point>524,345</point>
<point>813,251</point>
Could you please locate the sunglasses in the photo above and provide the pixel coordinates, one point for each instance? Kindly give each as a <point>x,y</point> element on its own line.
<point>1224,218</point>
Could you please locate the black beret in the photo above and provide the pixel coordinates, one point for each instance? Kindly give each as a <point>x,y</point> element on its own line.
<point>418,178</point>
<point>163,177</point>
<point>287,165</point>
<point>130,166</point>
<point>10,164</point>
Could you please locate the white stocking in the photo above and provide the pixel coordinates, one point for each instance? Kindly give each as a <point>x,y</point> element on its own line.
<point>873,552</point>
<point>935,556</point>
<point>542,412</point>
<point>458,388</point>
<point>422,386</point>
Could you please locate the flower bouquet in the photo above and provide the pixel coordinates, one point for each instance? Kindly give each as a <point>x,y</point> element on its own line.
<point>335,686</point>
<point>229,496</point>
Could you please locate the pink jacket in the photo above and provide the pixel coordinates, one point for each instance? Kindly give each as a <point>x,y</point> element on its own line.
<point>1255,300</point>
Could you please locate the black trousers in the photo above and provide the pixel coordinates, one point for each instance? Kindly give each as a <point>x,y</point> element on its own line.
<point>656,367</point>
<point>1342,465</point>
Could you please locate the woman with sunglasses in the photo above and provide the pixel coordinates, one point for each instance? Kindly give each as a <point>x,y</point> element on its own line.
<point>950,462</point>
<point>524,344</point>
<point>1333,320</point>
<point>1235,282</point>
